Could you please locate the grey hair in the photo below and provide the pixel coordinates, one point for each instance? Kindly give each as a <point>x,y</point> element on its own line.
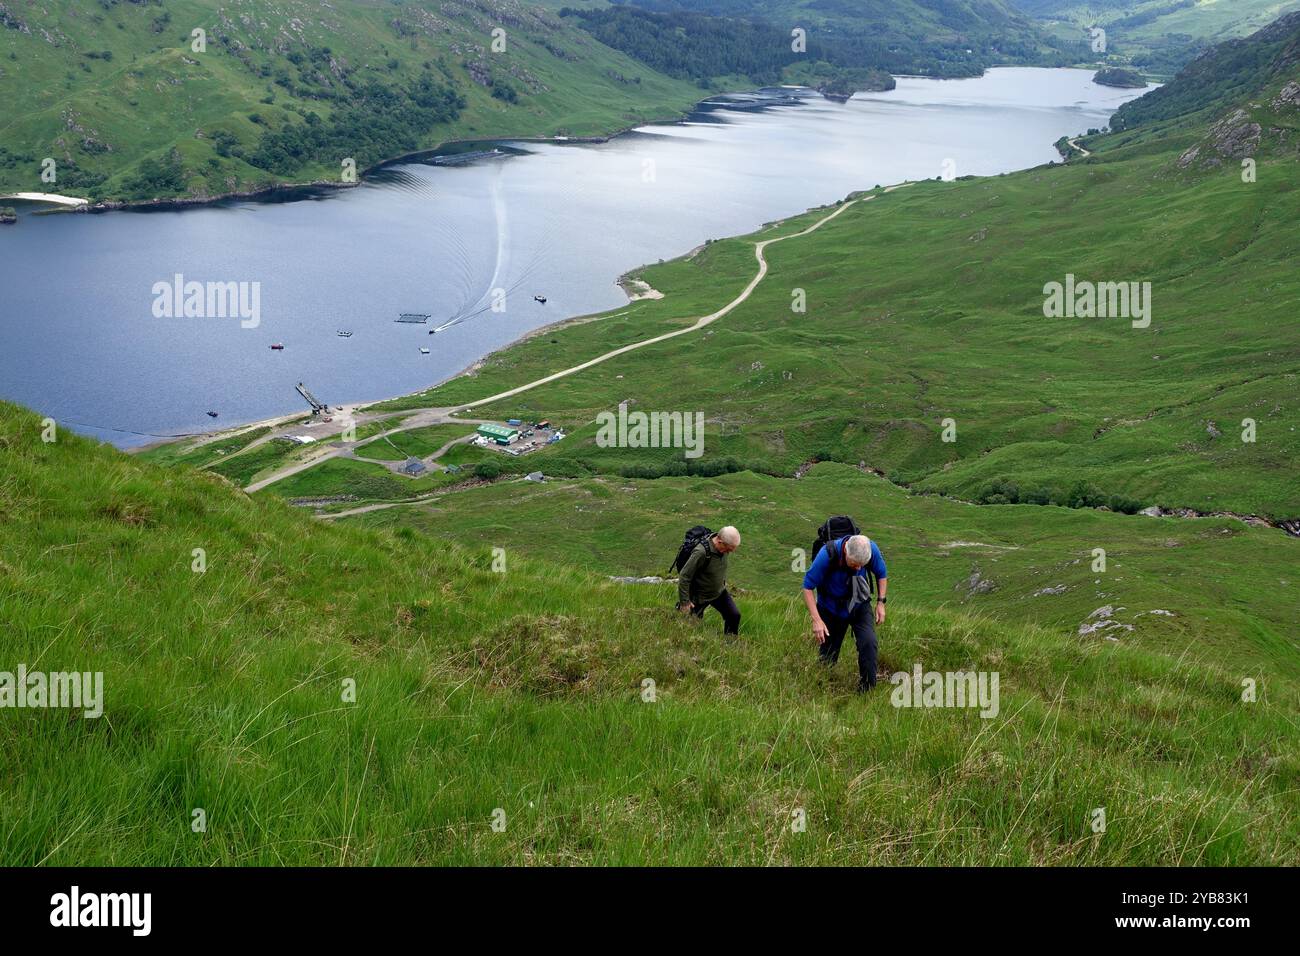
<point>858,549</point>
<point>729,535</point>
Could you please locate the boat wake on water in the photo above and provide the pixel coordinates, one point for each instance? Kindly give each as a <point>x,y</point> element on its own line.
<point>498,292</point>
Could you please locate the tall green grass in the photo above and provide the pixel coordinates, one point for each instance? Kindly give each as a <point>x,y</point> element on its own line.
<point>523,691</point>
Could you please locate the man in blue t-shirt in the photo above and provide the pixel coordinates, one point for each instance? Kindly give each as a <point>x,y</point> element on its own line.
<point>838,594</point>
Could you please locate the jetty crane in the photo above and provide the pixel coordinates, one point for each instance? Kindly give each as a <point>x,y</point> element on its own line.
<point>316,407</point>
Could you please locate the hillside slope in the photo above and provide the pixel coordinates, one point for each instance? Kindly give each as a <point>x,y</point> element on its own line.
<point>1189,406</point>
<point>285,90</point>
<point>1224,75</point>
<point>525,693</point>
<point>953,38</point>
<point>128,104</point>
<point>1157,35</point>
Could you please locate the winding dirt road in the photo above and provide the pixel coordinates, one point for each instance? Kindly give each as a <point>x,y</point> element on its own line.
<point>427,416</point>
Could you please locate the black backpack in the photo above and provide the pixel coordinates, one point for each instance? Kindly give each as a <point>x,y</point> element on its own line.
<point>835,528</point>
<point>693,537</point>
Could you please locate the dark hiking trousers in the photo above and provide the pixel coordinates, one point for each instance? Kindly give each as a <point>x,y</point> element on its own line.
<point>864,633</point>
<point>726,606</point>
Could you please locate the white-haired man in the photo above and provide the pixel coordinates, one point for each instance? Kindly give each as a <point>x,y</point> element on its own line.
<point>702,583</point>
<point>837,591</point>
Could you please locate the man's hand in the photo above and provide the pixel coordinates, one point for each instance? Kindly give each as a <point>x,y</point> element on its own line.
<point>819,630</point>
<point>880,614</point>
<point>686,607</point>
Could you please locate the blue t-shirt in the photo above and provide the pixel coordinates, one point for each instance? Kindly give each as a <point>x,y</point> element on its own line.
<point>833,580</point>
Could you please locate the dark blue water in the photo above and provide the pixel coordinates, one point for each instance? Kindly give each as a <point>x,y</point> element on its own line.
<point>81,342</point>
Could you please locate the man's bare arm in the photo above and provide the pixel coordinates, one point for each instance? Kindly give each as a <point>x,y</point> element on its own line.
<point>819,627</point>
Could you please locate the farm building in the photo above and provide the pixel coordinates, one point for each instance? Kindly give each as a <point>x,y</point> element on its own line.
<point>499,434</point>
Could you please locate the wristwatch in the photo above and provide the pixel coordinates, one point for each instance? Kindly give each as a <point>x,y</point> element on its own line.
<point>882,600</point>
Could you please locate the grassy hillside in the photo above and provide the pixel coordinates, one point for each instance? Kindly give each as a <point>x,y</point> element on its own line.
<point>1157,35</point>
<point>287,89</point>
<point>116,94</point>
<point>1231,73</point>
<point>952,38</point>
<point>1225,591</point>
<point>523,691</point>
<point>927,304</point>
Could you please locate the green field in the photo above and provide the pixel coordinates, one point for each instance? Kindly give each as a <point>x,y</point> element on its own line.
<point>103,88</point>
<point>887,352</point>
<point>1231,592</point>
<point>525,693</point>
<point>364,480</point>
<point>417,443</point>
<point>202,452</point>
<point>1148,666</point>
<point>1158,35</point>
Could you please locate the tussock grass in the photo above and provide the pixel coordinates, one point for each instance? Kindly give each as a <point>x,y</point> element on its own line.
<point>523,691</point>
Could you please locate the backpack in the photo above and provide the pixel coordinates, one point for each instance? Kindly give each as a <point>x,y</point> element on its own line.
<point>833,529</point>
<point>693,537</point>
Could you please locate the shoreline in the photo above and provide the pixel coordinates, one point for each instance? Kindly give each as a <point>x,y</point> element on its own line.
<point>633,288</point>
<point>76,204</point>
<point>623,281</point>
<point>56,199</point>
<point>200,438</point>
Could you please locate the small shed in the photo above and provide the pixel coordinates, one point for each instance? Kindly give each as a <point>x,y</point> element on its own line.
<point>413,467</point>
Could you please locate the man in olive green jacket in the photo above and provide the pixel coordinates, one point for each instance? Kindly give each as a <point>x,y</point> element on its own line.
<point>703,581</point>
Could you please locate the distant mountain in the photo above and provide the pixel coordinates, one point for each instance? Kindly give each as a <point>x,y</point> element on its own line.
<point>933,37</point>
<point>1224,76</point>
<point>1156,35</point>
<point>136,100</point>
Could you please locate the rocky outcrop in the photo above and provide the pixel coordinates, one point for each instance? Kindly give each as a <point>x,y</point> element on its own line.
<point>1288,97</point>
<point>11,20</point>
<point>1236,136</point>
<point>976,583</point>
<point>1101,621</point>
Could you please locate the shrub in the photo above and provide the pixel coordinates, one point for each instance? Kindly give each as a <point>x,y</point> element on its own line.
<point>1002,491</point>
<point>1084,495</point>
<point>1037,496</point>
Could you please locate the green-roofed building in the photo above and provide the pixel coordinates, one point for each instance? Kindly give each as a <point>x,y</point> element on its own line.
<point>500,434</point>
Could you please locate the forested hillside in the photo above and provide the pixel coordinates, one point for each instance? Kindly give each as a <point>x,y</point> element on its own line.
<point>1223,75</point>
<point>1158,36</point>
<point>205,97</point>
<point>947,38</point>
<point>197,98</point>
